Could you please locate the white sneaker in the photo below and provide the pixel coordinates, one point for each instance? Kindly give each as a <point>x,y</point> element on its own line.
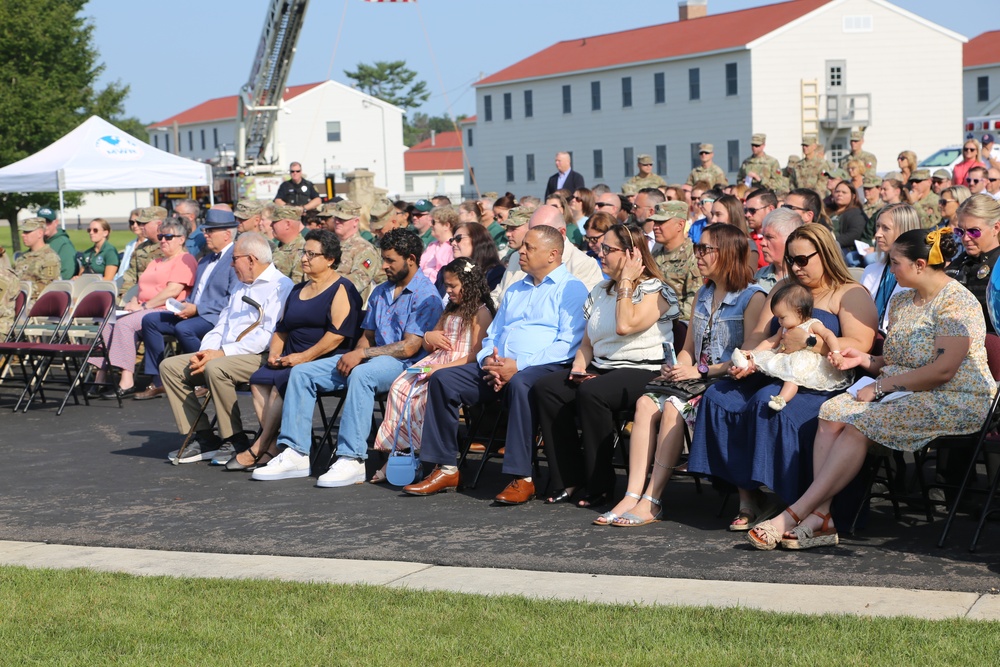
<point>286,465</point>
<point>344,472</point>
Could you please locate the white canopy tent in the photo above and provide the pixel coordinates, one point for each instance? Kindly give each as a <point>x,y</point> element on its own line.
<point>98,156</point>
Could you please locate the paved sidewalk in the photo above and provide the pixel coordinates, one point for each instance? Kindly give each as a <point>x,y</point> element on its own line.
<point>790,598</point>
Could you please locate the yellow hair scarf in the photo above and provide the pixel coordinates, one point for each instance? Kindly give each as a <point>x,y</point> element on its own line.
<point>934,257</point>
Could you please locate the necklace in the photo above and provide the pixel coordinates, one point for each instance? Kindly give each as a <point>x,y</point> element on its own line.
<point>925,301</point>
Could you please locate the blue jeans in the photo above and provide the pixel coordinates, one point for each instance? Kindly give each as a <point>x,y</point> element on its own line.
<point>306,380</point>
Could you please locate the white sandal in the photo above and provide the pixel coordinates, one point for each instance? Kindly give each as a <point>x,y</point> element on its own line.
<point>608,518</point>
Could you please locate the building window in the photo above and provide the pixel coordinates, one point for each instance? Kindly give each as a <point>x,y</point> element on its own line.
<point>858,24</point>
<point>598,163</point>
<point>567,100</point>
<point>694,83</point>
<point>661,160</point>
<point>595,95</point>
<point>408,184</point>
<point>732,80</point>
<point>510,168</point>
<point>156,140</point>
<point>983,88</point>
<point>734,155</point>
<point>508,106</point>
<point>333,130</point>
<point>629,162</point>
<point>215,137</point>
<point>190,140</point>
<point>203,140</point>
<point>529,105</point>
<point>659,88</point>
<point>837,151</point>
<point>167,137</point>
<point>469,134</point>
<point>530,167</point>
<point>695,160</point>
<point>626,91</point>
<point>488,107</point>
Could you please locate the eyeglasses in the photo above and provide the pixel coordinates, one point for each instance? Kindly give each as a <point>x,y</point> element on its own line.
<point>295,171</point>
<point>800,260</point>
<point>310,255</point>
<point>750,210</point>
<point>794,208</point>
<point>705,202</point>
<point>704,153</point>
<point>594,239</point>
<point>974,181</point>
<point>973,233</point>
<point>994,180</point>
<point>168,237</point>
<point>967,149</point>
<point>702,249</point>
<point>457,238</point>
<point>132,223</point>
<point>236,257</point>
<point>944,202</point>
<point>608,250</point>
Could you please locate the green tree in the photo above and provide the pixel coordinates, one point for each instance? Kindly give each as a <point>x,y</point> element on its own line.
<point>391,82</point>
<point>49,71</point>
<point>420,127</point>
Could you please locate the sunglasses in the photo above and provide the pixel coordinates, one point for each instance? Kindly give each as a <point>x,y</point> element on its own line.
<point>457,238</point>
<point>756,145</point>
<point>750,210</point>
<point>945,202</point>
<point>168,237</point>
<point>295,171</point>
<point>702,249</point>
<point>575,198</point>
<point>973,233</point>
<point>132,223</point>
<point>967,149</point>
<point>800,260</point>
<point>95,230</point>
<point>974,181</point>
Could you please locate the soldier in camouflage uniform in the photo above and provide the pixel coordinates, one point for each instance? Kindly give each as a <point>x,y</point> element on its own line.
<point>149,220</point>
<point>675,256</point>
<point>762,169</point>
<point>808,172</point>
<point>10,285</point>
<point>925,201</point>
<point>708,171</point>
<point>381,220</point>
<point>645,178</point>
<point>40,265</point>
<point>287,226</point>
<point>359,262</point>
<point>247,214</point>
<point>871,185</point>
<point>862,156</point>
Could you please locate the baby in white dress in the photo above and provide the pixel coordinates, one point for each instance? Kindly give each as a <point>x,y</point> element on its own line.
<point>793,304</point>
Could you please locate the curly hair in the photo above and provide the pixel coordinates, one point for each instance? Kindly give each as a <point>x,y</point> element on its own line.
<point>404,242</point>
<point>475,291</point>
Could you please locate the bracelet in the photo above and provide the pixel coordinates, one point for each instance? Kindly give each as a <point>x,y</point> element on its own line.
<point>624,294</point>
<point>879,394</point>
<point>835,352</point>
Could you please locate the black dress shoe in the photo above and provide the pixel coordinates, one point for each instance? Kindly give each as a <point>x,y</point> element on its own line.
<point>118,392</point>
<point>95,392</point>
<point>595,499</point>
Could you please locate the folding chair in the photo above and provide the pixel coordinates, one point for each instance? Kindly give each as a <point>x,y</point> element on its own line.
<point>322,450</point>
<point>89,318</point>
<point>44,324</point>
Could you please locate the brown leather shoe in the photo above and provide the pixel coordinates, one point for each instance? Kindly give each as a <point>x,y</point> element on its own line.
<point>517,492</point>
<point>152,391</point>
<point>436,482</point>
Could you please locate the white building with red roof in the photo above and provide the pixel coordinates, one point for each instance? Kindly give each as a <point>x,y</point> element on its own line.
<point>981,76</point>
<point>435,167</point>
<point>807,66</point>
<point>326,126</point>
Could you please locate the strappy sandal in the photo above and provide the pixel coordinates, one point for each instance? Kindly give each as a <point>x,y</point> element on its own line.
<point>629,520</point>
<point>749,512</point>
<point>765,536</point>
<point>608,518</point>
<point>808,538</point>
<point>234,464</point>
<point>379,477</point>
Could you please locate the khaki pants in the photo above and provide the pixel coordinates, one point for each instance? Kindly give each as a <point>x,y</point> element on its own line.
<point>221,377</point>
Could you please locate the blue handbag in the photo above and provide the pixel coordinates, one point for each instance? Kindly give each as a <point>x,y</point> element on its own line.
<point>404,466</point>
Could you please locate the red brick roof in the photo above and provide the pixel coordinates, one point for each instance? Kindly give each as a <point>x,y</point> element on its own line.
<point>982,50</point>
<point>222,108</point>
<point>444,155</point>
<point>658,42</point>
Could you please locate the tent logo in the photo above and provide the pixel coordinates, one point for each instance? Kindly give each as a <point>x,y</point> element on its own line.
<point>118,147</point>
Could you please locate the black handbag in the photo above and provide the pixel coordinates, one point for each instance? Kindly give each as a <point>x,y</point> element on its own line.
<point>684,390</point>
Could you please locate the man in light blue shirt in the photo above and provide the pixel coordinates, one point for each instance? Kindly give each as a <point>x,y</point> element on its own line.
<point>536,331</point>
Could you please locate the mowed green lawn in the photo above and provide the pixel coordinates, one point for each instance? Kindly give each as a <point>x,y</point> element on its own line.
<point>79,237</point>
<point>85,618</point>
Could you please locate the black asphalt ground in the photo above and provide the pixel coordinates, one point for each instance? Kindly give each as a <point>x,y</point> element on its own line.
<point>99,476</point>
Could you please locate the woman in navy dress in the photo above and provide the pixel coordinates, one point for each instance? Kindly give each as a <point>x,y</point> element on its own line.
<point>737,437</point>
<point>322,318</point>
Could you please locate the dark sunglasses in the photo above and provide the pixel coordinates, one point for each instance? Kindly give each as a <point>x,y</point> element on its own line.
<point>974,181</point>
<point>132,223</point>
<point>756,145</point>
<point>750,210</point>
<point>168,237</point>
<point>945,202</point>
<point>973,233</point>
<point>702,249</point>
<point>800,260</point>
<point>967,149</point>
<point>457,238</point>
<point>95,230</point>
<point>794,208</point>
<point>594,239</point>
<point>295,171</point>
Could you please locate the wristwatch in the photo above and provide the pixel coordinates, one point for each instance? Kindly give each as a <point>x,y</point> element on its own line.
<point>811,341</point>
<point>703,369</point>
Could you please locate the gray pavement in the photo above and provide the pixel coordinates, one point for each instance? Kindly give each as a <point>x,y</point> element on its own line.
<point>98,477</point>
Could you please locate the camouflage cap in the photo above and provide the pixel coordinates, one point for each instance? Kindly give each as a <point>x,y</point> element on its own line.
<point>344,209</point>
<point>857,135</point>
<point>871,181</point>
<point>893,176</point>
<point>519,215</point>
<point>669,210</point>
<point>794,159</point>
<point>31,224</point>
<point>644,159</point>
<point>630,189</point>
<point>491,195</point>
<point>706,148</point>
<point>151,213</point>
<point>836,173</point>
<point>920,175</point>
<point>380,213</point>
<point>248,208</point>
<point>287,213</point>
<point>809,140</point>
<point>943,174</point>
<point>758,139</point>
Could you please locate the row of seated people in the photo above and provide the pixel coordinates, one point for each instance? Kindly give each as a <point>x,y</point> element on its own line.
<point>559,349</point>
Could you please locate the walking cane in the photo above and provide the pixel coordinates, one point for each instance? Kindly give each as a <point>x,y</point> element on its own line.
<point>208,396</point>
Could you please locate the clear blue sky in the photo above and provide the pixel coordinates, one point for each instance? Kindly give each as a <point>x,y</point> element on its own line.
<point>177,54</point>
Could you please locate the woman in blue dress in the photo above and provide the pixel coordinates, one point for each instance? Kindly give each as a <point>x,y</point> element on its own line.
<point>322,317</point>
<point>737,437</point>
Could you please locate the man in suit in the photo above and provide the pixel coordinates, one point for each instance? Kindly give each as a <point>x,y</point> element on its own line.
<point>564,178</point>
<point>214,282</point>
